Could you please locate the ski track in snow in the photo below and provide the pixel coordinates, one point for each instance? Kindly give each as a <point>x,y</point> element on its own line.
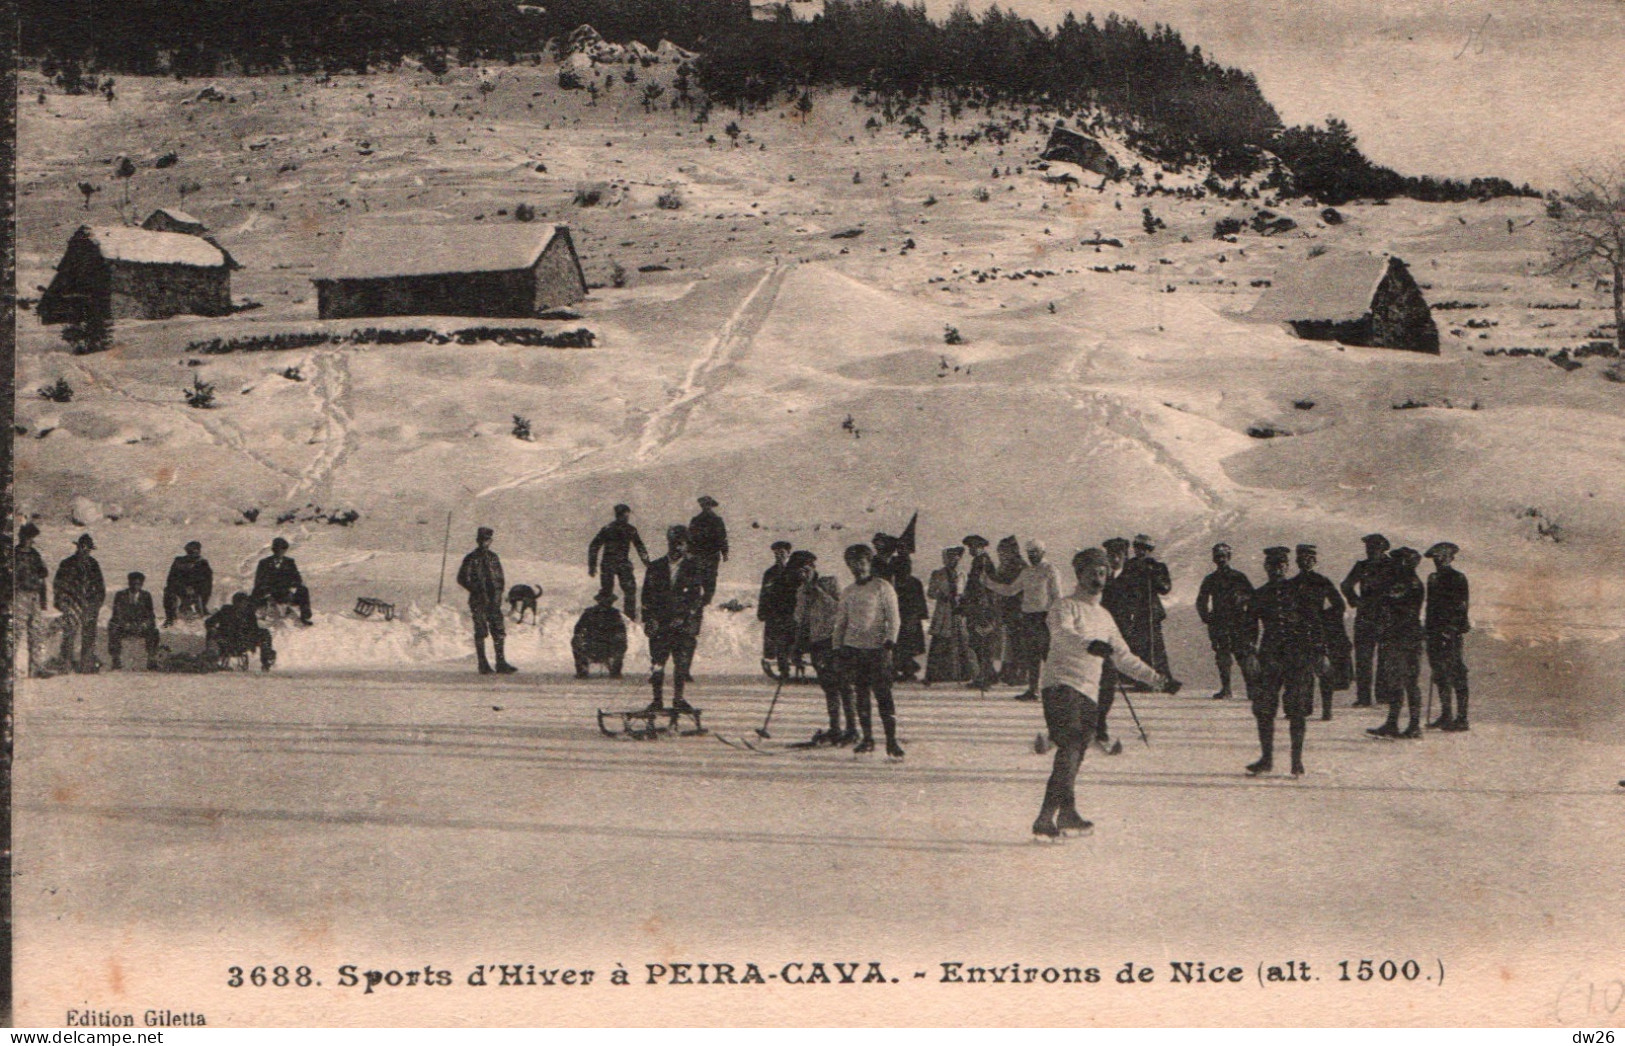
<point>667,423</point>
<point>332,431</point>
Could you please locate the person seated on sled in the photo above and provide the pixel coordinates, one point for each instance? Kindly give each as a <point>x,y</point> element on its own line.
<point>674,598</point>
<point>600,637</point>
<point>277,580</point>
<point>133,618</point>
<point>235,631</point>
<point>190,582</point>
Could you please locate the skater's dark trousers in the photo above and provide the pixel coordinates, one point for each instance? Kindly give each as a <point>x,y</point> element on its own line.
<point>1366,633</point>
<point>870,671</point>
<point>79,636</point>
<point>487,622</point>
<point>677,645</point>
<point>837,694</point>
<point>1283,684</point>
<point>1070,716</point>
<point>1399,671</point>
<point>609,573</point>
<point>1035,645</point>
<point>1449,670</point>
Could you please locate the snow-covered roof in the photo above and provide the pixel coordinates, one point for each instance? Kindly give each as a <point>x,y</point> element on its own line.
<point>430,250</point>
<point>1336,286</point>
<point>143,246</point>
<point>174,215</point>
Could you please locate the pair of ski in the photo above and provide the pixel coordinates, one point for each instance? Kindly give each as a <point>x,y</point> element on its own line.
<point>757,745</point>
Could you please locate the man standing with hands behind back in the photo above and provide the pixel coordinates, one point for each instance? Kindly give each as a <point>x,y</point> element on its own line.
<point>481,576</point>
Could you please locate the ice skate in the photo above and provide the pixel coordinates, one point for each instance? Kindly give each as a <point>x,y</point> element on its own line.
<point>1263,766</point>
<point>1222,695</point>
<point>1385,730</point>
<point>864,747</point>
<point>1068,823</point>
<point>894,750</point>
<point>1045,831</point>
<point>1412,732</point>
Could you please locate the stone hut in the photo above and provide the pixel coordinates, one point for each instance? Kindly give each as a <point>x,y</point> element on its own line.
<point>518,270</point>
<point>1356,299</point>
<point>1066,146</point>
<point>140,274</point>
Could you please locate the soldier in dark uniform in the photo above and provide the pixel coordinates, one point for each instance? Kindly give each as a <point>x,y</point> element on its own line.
<point>1145,581</point>
<point>674,599</point>
<point>599,637</point>
<point>189,585</point>
<point>481,576</point>
<point>708,544</point>
<point>277,580</point>
<point>1446,623</point>
<point>1222,604</point>
<point>29,575</point>
<point>1363,588</point>
<point>1399,647</point>
<point>1330,607</point>
<point>776,610</point>
<point>1291,650</point>
<point>1114,599</point>
<point>133,618</point>
<point>615,541</point>
<point>79,594</point>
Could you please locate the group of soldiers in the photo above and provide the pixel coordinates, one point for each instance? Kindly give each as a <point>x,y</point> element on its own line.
<point>1289,639</point>
<point>79,591</point>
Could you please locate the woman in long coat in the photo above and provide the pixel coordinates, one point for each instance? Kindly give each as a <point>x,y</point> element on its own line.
<point>912,608</point>
<point>949,660</point>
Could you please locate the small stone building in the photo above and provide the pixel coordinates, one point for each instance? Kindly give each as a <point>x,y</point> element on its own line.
<point>141,274</point>
<point>171,219</point>
<point>1066,146</point>
<point>513,270</point>
<point>1356,299</point>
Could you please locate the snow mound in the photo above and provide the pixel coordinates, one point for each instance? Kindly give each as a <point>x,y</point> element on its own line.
<point>417,636</point>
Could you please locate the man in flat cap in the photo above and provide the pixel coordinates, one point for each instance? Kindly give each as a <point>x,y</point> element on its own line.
<point>708,543</point>
<point>674,599</point>
<point>189,585</point>
<point>133,618</point>
<point>79,594</point>
<point>599,637</point>
<point>1082,636</point>
<point>776,610</point>
<point>1039,586</point>
<point>1399,647</point>
<point>481,576</point>
<point>29,575</point>
<point>1291,650</point>
<point>1446,623</point>
<point>1320,590</point>
<point>1222,604</point>
<point>1145,581</point>
<point>277,580</point>
<point>1363,589</point>
<point>615,542</point>
<point>980,608</point>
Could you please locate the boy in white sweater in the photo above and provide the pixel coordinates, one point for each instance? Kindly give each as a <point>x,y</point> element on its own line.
<point>865,633</point>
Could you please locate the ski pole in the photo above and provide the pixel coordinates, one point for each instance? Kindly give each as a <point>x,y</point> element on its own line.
<point>762,732</point>
<point>1124,694</point>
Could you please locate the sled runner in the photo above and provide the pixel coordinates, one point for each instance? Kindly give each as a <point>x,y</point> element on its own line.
<point>647,724</point>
